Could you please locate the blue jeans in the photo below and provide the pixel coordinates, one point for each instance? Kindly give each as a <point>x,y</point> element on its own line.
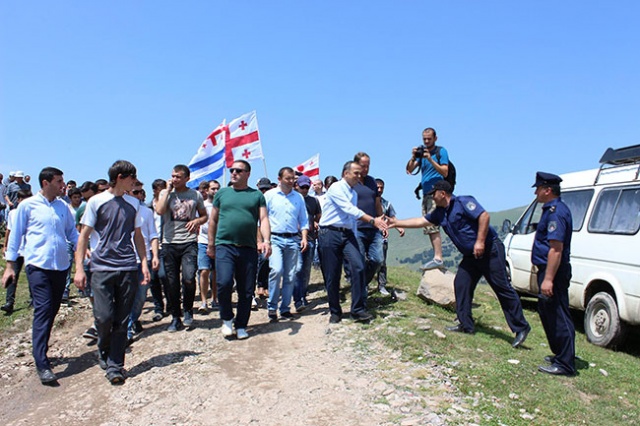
<point>284,265</point>
<point>240,263</point>
<point>335,247</point>
<point>46,287</point>
<point>180,258</point>
<point>305,261</point>
<point>370,244</point>
<point>113,295</point>
<point>138,301</point>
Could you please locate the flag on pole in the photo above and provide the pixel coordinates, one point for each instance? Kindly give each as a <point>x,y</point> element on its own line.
<point>243,140</point>
<point>208,163</point>
<point>310,168</point>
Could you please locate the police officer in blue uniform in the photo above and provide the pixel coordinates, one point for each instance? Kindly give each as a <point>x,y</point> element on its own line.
<point>550,253</point>
<point>467,225</point>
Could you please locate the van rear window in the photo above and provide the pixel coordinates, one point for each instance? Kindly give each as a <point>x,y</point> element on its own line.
<point>617,211</point>
<point>578,202</point>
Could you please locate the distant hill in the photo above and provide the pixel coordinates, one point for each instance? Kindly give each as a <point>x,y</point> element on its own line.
<point>414,249</point>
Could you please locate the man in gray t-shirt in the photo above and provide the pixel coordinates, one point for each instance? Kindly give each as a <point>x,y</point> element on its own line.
<point>182,210</point>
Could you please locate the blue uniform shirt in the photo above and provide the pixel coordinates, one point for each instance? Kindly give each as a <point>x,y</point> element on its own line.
<point>460,222</point>
<point>555,224</point>
<point>367,195</point>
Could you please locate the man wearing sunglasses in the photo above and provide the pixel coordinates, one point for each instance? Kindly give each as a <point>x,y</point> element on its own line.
<point>234,244</point>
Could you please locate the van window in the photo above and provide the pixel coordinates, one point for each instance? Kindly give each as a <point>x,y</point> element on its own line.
<point>529,220</point>
<point>617,211</point>
<point>578,202</point>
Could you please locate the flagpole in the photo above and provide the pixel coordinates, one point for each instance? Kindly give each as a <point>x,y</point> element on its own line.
<point>264,163</point>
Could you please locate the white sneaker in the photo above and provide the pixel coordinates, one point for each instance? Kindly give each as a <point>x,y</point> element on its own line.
<point>227,328</point>
<point>383,290</point>
<point>432,264</point>
<point>254,304</point>
<point>242,333</point>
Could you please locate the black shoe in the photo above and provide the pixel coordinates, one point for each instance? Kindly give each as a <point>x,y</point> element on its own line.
<point>335,319</point>
<point>7,307</point>
<point>362,317</point>
<point>176,324</point>
<point>157,317</point>
<point>91,333</point>
<point>137,327</point>
<point>287,315</point>
<point>46,376</point>
<point>550,359</point>
<point>273,316</point>
<point>458,329</point>
<point>521,336</point>
<point>554,370</point>
<point>115,377</point>
<point>102,362</point>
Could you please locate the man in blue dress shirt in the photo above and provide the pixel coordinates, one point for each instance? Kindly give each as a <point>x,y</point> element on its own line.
<point>467,225</point>
<point>48,225</point>
<point>337,242</point>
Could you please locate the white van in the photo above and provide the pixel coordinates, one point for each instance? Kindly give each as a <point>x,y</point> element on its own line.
<point>605,246</point>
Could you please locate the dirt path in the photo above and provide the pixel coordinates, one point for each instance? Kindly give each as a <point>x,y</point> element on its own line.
<point>303,371</point>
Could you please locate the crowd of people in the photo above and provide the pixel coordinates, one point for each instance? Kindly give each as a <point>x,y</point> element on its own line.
<point>260,243</point>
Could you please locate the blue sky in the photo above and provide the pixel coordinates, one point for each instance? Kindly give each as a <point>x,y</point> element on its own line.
<point>511,87</point>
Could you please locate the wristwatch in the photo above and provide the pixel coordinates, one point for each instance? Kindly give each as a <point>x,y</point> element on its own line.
<point>372,221</point>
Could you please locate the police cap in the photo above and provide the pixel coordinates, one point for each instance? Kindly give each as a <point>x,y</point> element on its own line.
<point>544,179</point>
<point>441,185</point>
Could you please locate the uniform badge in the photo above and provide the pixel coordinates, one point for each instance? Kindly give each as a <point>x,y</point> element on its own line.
<point>552,209</point>
<point>471,206</point>
<point>552,226</point>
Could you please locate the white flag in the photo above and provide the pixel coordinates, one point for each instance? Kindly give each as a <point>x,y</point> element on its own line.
<point>243,139</point>
<point>310,168</point>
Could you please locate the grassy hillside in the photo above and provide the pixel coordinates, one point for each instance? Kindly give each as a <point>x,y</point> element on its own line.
<point>414,248</point>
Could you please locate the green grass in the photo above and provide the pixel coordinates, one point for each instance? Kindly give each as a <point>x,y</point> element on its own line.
<point>500,391</point>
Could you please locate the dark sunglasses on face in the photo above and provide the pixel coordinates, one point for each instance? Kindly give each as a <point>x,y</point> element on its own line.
<point>136,192</point>
<point>234,170</point>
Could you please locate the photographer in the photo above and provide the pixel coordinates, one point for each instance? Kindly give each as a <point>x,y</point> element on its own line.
<point>434,165</point>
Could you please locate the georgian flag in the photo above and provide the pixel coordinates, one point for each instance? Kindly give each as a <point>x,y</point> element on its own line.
<point>243,139</point>
<point>310,168</point>
<point>208,163</point>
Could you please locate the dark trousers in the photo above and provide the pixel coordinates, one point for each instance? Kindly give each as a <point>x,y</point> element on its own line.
<point>46,287</point>
<point>263,272</point>
<point>179,257</point>
<point>240,263</point>
<point>13,285</point>
<point>158,285</point>
<point>492,267</point>
<point>334,247</point>
<point>556,318</point>
<point>113,295</point>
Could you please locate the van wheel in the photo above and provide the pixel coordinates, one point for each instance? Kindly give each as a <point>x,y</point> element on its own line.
<point>602,322</point>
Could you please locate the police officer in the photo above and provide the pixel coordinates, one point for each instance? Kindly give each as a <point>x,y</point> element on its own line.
<point>550,254</point>
<point>467,225</point>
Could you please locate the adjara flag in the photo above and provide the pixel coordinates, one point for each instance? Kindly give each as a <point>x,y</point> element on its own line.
<point>208,163</point>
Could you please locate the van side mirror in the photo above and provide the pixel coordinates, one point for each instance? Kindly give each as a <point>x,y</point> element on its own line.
<point>506,226</point>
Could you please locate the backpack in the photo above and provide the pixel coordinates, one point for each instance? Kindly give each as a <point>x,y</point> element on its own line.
<point>451,175</point>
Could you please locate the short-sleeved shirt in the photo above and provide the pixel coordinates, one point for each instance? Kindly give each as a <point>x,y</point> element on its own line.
<point>203,234</point>
<point>429,174</point>
<point>555,224</point>
<point>238,215</point>
<point>113,219</point>
<point>313,209</point>
<point>460,222</point>
<point>367,194</point>
<point>182,208</point>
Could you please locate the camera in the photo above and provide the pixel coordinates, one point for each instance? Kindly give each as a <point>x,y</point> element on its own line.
<point>419,152</point>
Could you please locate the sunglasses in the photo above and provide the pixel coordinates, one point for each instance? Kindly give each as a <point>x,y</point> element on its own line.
<point>137,192</point>
<point>234,170</point>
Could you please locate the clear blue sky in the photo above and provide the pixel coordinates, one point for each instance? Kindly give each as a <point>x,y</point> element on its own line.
<point>511,87</point>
